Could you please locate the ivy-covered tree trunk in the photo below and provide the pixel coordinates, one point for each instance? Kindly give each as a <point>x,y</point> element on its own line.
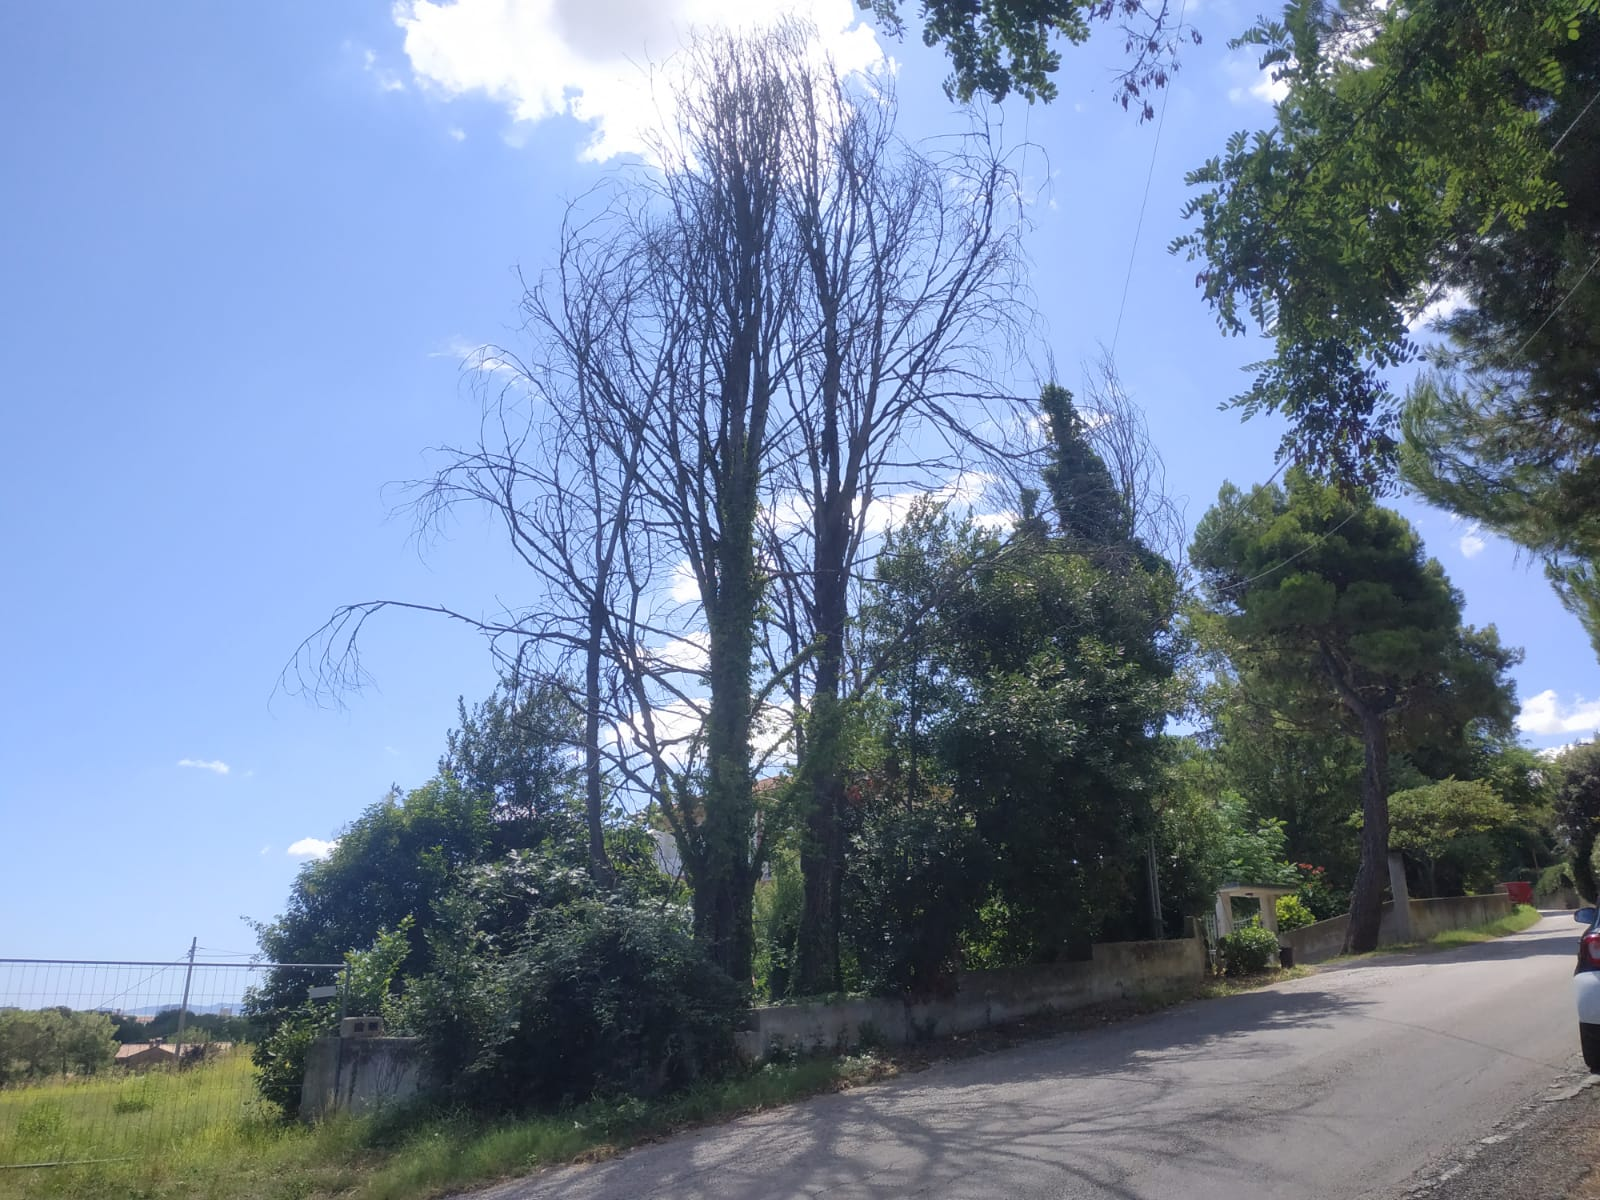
<point>822,841</point>
<point>1366,898</point>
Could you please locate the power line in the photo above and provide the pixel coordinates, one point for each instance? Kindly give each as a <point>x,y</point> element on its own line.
<point>1570,294</point>
<point>1556,145</point>
<point>1144,201</point>
<point>1303,550</point>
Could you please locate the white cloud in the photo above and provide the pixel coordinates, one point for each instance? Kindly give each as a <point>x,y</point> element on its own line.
<point>215,765</point>
<point>1547,714</point>
<point>480,357</point>
<point>1444,302</point>
<point>458,134</point>
<point>310,848</point>
<point>1472,543</point>
<point>1262,89</point>
<point>266,850</point>
<point>684,589</point>
<point>690,653</point>
<point>591,59</point>
<point>1551,753</point>
<point>963,493</point>
<point>386,79</point>
<point>996,520</point>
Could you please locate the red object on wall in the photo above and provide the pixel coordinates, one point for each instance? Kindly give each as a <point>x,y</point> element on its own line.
<point>1520,893</point>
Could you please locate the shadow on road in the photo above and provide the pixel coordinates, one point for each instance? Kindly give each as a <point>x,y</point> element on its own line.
<point>1213,1091</point>
<point>1082,1110</point>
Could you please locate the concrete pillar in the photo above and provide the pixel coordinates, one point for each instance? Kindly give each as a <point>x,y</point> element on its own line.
<point>1402,898</point>
<point>1224,916</point>
<point>1269,913</point>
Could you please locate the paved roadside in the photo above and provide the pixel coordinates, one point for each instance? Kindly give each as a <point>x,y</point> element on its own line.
<point>1339,1085</point>
<point>1547,1149</point>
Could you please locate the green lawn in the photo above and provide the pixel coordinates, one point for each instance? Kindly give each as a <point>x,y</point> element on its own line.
<point>203,1134</point>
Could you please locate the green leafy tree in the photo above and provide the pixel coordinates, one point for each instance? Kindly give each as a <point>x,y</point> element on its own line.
<point>1505,426</point>
<point>1036,674</point>
<point>38,1043</point>
<point>1303,772</point>
<point>997,47</point>
<point>1408,133</point>
<point>1578,805</point>
<point>1330,599</point>
<point>1440,820</point>
<point>516,748</point>
<point>1208,836</point>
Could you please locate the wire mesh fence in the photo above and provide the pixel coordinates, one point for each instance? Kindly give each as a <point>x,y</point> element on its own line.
<point>116,1060</point>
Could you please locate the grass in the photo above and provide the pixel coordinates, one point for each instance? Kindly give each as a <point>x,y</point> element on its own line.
<point>235,1148</point>
<point>1523,916</point>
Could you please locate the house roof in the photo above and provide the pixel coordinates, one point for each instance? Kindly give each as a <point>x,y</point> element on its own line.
<point>1256,891</point>
<point>134,1049</point>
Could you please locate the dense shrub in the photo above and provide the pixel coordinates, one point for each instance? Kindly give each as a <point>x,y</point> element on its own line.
<point>1294,914</point>
<point>370,981</point>
<point>280,1057</point>
<point>1249,950</point>
<point>916,882</point>
<point>593,994</point>
<point>1553,879</point>
<point>778,901</point>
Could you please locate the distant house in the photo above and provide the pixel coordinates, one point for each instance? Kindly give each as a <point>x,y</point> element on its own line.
<point>141,1056</point>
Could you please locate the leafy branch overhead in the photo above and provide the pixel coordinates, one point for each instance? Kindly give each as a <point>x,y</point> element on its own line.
<point>1408,135</point>
<point>997,47</point>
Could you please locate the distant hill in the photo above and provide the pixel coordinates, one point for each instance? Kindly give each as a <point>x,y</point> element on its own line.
<point>151,1010</point>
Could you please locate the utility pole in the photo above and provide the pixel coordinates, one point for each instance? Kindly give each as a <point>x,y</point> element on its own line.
<point>1157,924</point>
<point>183,1009</point>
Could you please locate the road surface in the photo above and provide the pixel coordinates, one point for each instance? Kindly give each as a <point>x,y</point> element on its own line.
<point>1352,1082</point>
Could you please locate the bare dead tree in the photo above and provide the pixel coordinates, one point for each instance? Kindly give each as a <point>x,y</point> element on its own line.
<point>908,284</point>
<point>789,308</point>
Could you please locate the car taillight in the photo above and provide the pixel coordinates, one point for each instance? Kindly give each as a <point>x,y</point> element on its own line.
<point>1589,949</point>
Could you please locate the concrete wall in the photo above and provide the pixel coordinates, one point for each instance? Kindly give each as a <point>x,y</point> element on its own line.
<point>1325,939</point>
<point>1560,898</point>
<point>981,999</point>
<point>359,1075</point>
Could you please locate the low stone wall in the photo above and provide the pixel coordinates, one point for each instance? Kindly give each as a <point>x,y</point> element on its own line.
<point>1322,940</point>
<point>359,1075</point>
<point>1325,939</point>
<point>1560,898</point>
<point>1430,917</point>
<point>1117,971</point>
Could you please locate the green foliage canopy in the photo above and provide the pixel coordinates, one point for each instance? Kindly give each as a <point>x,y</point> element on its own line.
<point>1408,131</point>
<point>1328,602</point>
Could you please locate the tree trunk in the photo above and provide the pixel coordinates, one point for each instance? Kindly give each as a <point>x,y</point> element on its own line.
<point>593,766</point>
<point>724,896</point>
<point>1366,898</point>
<point>822,846</point>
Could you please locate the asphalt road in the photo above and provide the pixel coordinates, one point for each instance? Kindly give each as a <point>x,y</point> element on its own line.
<point>1348,1083</point>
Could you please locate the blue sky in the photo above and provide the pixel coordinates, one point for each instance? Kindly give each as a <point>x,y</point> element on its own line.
<point>242,255</point>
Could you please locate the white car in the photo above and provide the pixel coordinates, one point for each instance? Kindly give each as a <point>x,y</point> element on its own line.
<point>1586,987</point>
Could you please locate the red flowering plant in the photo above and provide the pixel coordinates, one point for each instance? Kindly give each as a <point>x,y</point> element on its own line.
<point>1317,894</point>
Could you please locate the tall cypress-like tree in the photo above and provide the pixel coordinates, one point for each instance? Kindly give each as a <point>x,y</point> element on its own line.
<point>1069,664</point>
